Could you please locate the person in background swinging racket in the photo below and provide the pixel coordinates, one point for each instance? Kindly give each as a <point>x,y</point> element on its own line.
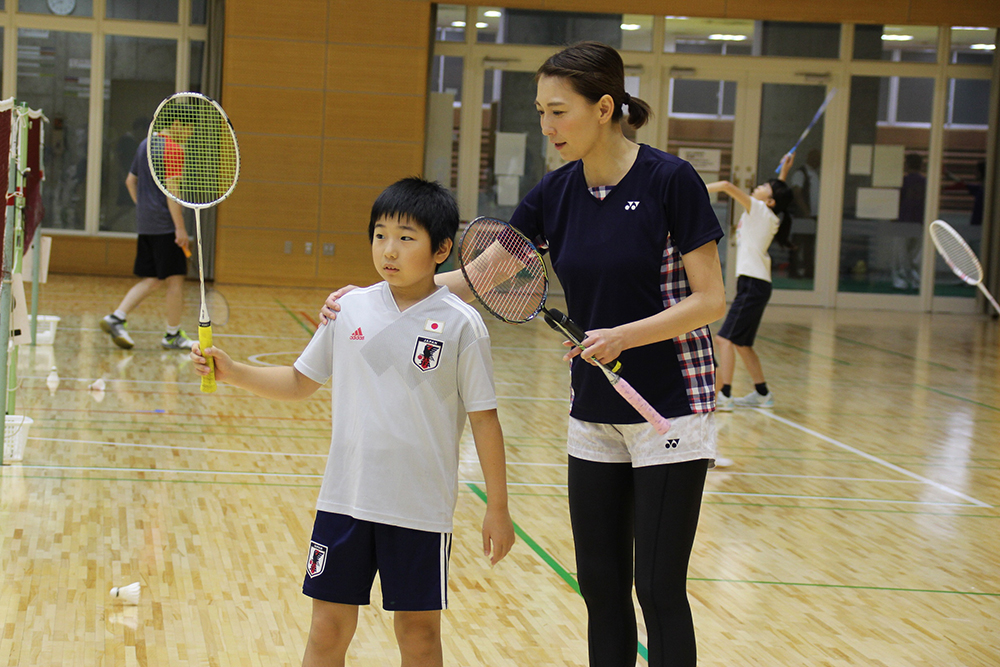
<point>408,360</point>
<point>162,245</point>
<point>633,240</point>
<point>758,226</point>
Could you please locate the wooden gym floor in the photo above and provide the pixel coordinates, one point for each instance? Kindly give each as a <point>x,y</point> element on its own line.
<point>860,524</point>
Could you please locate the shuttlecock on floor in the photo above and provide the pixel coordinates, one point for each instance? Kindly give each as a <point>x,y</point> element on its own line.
<point>128,594</point>
<point>98,385</point>
<point>52,381</point>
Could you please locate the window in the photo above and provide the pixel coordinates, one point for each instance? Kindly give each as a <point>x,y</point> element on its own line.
<point>740,37</point>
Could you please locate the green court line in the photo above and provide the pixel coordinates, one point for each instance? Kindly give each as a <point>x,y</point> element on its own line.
<point>890,589</point>
<point>552,562</point>
<point>803,349</point>
<point>873,347</point>
<point>957,397</point>
<point>296,318</point>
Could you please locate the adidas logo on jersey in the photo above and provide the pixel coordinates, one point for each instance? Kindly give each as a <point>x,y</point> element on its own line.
<point>357,335</point>
<point>631,206</point>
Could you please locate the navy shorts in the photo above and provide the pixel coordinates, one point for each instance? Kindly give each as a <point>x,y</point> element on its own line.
<point>157,256</point>
<point>345,553</point>
<point>744,316</point>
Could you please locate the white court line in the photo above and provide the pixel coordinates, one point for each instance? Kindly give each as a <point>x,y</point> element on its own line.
<point>231,473</point>
<point>193,449</point>
<point>874,459</point>
<point>175,471</point>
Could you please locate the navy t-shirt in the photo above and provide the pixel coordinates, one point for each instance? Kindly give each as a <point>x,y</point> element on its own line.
<point>618,260</point>
<point>151,213</point>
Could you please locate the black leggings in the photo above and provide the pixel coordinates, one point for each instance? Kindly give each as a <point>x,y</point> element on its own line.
<point>611,505</point>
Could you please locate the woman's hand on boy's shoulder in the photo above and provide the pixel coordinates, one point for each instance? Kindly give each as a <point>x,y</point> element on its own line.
<point>330,308</point>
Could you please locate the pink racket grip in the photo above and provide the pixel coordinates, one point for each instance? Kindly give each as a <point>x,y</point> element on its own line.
<point>642,406</point>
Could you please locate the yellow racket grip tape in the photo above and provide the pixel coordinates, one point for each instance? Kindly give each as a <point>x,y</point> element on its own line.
<point>205,342</point>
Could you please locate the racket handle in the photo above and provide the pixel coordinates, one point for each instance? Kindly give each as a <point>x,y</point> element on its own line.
<point>187,251</point>
<point>205,341</point>
<point>567,327</point>
<point>642,406</point>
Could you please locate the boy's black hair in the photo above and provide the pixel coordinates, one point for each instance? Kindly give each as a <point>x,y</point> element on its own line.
<point>782,195</point>
<point>427,203</point>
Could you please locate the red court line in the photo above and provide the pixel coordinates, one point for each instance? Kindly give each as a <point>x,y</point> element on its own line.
<point>311,320</point>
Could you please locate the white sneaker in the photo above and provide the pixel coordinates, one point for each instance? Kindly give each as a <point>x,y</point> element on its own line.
<point>755,400</point>
<point>724,403</point>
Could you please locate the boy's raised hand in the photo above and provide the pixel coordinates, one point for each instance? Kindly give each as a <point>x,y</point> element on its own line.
<point>498,532</point>
<point>223,363</point>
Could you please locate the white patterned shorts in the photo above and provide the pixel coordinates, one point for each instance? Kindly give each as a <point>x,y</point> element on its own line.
<point>690,438</point>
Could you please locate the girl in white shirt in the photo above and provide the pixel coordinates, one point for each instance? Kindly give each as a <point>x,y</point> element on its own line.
<point>758,226</point>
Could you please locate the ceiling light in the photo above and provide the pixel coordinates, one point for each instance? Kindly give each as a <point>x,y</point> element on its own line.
<point>969,27</point>
<point>728,38</point>
<point>458,24</point>
<point>984,47</point>
<point>482,25</point>
<point>492,13</point>
<point>630,26</point>
<point>896,38</point>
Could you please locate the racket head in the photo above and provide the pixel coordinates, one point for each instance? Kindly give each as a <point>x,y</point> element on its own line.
<point>192,150</point>
<point>956,252</point>
<point>504,270</point>
<point>217,306</point>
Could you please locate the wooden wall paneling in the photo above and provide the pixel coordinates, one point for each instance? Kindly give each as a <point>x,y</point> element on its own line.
<point>386,22</point>
<point>347,208</point>
<point>377,69</point>
<point>969,12</point>
<point>375,116</point>
<point>299,20</point>
<point>258,257</point>
<point>274,63</point>
<point>351,262</point>
<point>94,255</point>
<point>261,110</point>
<point>370,163</point>
<point>262,205</point>
<point>279,158</point>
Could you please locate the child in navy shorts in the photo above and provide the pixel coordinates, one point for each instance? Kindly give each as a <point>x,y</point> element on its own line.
<point>408,361</point>
<point>758,226</point>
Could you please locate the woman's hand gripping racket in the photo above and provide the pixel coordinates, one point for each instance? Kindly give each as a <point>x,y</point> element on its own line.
<point>506,273</point>
<point>195,160</point>
<point>959,256</point>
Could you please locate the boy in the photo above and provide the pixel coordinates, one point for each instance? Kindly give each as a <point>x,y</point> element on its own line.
<point>408,360</point>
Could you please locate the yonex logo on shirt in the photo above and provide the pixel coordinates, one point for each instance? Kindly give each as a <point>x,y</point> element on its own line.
<point>672,443</point>
<point>631,206</point>
<point>357,335</point>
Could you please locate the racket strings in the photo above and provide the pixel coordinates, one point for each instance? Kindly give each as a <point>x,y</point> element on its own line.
<point>193,151</point>
<point>956,253</point>
<point>504,271</point>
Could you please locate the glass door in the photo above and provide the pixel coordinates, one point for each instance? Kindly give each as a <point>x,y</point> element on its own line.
<point>703,126</point>
<point>786,110</point>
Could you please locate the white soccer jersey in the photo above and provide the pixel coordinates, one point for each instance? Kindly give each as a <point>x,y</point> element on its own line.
<point>402,385</point>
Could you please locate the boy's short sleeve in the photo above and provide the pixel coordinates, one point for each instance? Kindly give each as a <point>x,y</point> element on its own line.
<point>316,361</point>
<point>475,376</point>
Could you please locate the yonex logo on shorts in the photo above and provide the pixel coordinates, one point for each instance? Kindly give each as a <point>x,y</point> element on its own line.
<point>631,206</point>
<point>317,559</point>
<point>357,335</point>
<point>672,443</point>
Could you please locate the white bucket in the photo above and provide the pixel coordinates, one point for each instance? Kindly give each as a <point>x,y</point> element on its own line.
<point>15,436</point>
